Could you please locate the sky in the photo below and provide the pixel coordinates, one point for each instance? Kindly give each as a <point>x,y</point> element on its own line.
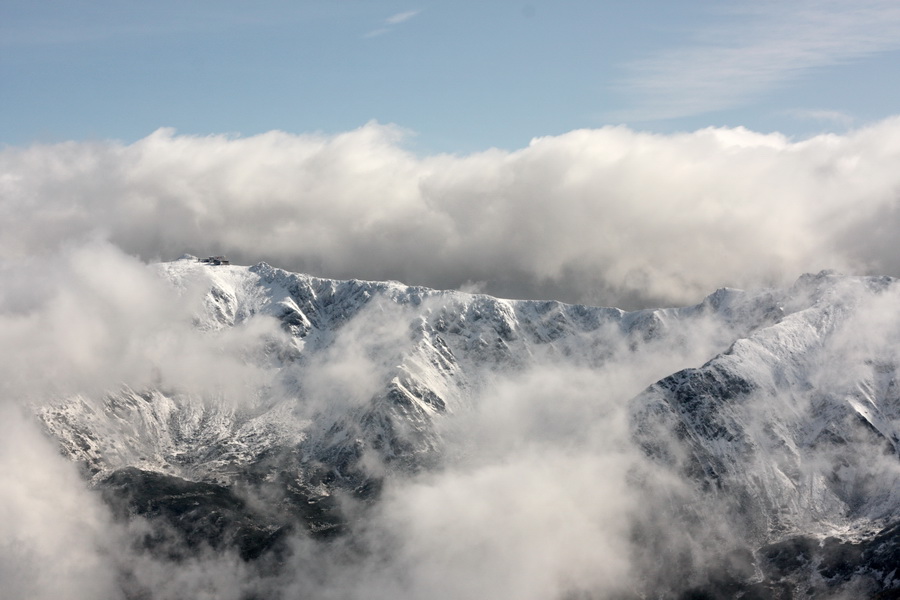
<point>462,76</point>
<point>631,154</point>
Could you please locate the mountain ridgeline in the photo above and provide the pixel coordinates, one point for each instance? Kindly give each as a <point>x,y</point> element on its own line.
<point>761,430</point>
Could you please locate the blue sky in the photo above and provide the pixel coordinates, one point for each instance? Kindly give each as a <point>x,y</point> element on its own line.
<point>461,76</point>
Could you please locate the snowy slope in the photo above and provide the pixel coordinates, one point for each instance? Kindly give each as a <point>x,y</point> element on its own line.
<point>802,416</point>
<point>424,353</point>
<point>780,409</point>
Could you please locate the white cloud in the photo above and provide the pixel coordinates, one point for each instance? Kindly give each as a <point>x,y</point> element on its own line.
<point>542,463</point>
<point>89,319</point>
<point>541,491</point>
<point>764,46</point>
<point>401,17</point>
<point>392,21</point>
<point>45,553</point>
<point>376,32</point>
<point>608,216</point>
<point>835,117</point>
<point>537,496</point>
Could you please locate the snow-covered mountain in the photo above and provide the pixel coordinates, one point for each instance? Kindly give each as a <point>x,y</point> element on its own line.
<point>423,353</point>
<point>793,436</point>
<point>767,422</point>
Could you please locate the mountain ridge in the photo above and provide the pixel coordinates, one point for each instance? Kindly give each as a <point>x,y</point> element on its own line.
<point>766,405</point>
<point>310,310</point>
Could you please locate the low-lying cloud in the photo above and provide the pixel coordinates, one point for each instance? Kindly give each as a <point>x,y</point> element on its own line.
<point>91,319</point>
<point>533,501</point>
<point>608,216</point>
<point>46,553</point>
<point>540,491</point>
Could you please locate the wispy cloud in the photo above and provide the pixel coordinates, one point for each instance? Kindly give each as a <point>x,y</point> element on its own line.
<point>835,117</point>
<point>376,32</point>
<point>760,48</point>
<point>392,21</point>
<point>401,17</point>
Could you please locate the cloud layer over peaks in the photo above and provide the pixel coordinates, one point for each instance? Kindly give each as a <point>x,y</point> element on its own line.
<point>608,216</point>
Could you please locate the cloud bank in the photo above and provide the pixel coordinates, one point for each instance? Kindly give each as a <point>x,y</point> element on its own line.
<point>608,216</point>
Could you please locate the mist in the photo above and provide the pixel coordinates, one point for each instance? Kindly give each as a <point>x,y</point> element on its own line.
<point>537,488</point>
<point>531,496</point>
<point>610,217</point>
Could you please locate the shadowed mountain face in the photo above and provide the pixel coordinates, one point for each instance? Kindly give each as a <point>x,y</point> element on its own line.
<point>747,445</point>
